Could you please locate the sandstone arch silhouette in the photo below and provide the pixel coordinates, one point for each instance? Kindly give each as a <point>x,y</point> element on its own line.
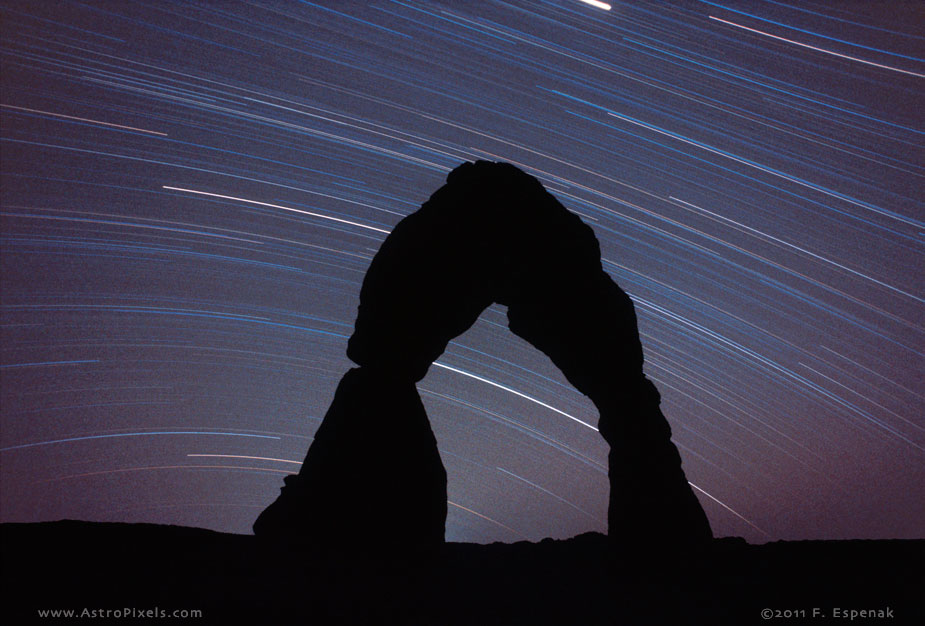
<point>372,478</point>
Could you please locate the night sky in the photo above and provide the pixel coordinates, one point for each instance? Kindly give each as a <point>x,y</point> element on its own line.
<point>192,192</point>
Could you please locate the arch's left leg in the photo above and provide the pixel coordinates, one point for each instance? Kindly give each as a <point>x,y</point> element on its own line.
<point>372,482</point>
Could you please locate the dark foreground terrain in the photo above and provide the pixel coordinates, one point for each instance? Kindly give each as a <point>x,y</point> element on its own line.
<point>140,572</point>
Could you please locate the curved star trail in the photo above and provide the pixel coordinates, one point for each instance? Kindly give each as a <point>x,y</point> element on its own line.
<point>192,192</point>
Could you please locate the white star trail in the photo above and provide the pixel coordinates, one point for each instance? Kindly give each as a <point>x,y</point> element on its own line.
<point>817,49</point>
<point>516,393</point>
<point>277,206</point>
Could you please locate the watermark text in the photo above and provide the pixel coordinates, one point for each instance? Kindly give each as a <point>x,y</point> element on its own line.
<point>130,612</point>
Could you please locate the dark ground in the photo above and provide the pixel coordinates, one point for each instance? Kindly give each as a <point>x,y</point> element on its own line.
<point>144,569</point>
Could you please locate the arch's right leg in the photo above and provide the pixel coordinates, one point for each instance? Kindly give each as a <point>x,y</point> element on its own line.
<point>587,325</point>
<point>650,498</point>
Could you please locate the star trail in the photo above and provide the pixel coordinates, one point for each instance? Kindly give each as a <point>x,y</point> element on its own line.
<point>192,192</point>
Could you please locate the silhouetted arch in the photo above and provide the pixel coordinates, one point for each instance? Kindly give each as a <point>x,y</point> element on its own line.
<point>491,234</point>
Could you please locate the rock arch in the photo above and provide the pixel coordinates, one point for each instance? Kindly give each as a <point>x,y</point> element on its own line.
<point>373,478</point>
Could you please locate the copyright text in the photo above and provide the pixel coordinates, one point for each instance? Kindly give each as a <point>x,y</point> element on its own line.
<point>835,612</point>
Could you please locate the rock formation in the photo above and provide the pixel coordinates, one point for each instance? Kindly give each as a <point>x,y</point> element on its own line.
<point>491,234</point>
<point>372,481</point>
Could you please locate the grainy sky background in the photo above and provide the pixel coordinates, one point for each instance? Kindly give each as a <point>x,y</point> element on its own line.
<point>191,194</point>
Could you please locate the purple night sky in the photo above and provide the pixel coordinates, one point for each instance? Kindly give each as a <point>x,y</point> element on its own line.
<point>192,192</point>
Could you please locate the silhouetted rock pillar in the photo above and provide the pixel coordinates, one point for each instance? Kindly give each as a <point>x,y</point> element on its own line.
<point>372,482</point>
<point>650,498</point>
<point>587,325</point>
